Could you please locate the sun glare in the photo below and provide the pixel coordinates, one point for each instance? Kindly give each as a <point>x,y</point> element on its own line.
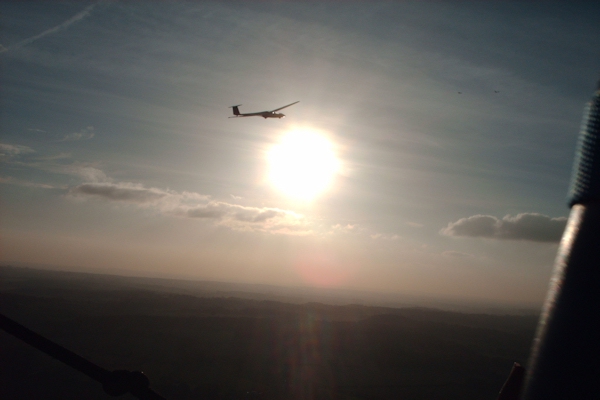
<point>302,164</point>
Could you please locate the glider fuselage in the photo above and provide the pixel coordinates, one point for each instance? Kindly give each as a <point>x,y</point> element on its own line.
<point>264,114</point>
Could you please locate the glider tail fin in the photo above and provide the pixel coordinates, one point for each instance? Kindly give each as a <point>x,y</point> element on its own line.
<point>236,110</point>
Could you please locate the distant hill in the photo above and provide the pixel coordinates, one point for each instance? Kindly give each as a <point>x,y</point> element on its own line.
<point>14,277</point>
<point>203,346</point>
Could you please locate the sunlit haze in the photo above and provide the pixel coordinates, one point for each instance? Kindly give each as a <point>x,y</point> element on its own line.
<point>428,156</point>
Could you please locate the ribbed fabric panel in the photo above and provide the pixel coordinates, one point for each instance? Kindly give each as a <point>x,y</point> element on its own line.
<point>585,182</point>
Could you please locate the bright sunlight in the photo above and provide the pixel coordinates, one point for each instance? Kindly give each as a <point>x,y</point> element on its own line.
<point>302,164</point>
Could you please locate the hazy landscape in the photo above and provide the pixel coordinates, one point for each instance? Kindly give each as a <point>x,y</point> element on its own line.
<point>203,345</point>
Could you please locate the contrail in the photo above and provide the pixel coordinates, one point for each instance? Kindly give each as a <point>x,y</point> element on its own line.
<point>47,32</point>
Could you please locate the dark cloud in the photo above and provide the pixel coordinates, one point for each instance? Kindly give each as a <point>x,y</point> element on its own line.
<point>256,215</point>
<point>236,212</point>
<point>244,218</point>
<point>526,226</point>
<point>209,211</point>
<point>125,192</point>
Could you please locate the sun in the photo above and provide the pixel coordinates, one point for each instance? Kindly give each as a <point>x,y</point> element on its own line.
<point>303,164</point>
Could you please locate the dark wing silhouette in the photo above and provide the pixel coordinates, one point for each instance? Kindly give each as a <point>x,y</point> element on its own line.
<point>281,108</point>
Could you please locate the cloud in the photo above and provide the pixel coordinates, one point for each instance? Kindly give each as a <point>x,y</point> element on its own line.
<point>209,211</point>
<point>84,134</point>
<point>10,153</point>
<point>125,192</point>
<point>12,181</point>
<point>257,215</point>
<point>97,185</point>
<point>358,230</point>
<point>135,193</point>
<point>195,205</point>
<point>526,226</point>
<point>88,173</point>
<point>168,201</point>
<point>383,236</point>
<point>10,150</point>
<point>80,15</point>
<point>53,157</point>
<point>264,219</point>
<point>348,228</point>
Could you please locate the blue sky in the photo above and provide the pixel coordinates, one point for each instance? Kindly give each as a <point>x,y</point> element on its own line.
<point>454,124</point>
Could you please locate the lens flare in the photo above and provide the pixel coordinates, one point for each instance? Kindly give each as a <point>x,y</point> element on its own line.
<point>323,269</point>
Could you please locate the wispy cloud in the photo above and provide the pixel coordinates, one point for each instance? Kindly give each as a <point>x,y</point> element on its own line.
<point>264,219</point>
<point>55,157</point>
<point>80,15</point>
<point>358,230</point>
<point>195,205</point>
<point>84,134</point>
<point>383,236</point>
<point>9,150</point>
<point>12,181</point>
<point>85,171</point>
<point>348,228</point>
<point>124,191</point>
<point>526,226</point>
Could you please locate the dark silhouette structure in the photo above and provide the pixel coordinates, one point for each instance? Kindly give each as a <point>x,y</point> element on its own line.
<point>565,360</point>
<point>115,383</point>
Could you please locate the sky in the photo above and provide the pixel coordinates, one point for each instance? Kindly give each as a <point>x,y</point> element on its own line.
<point>429,154</point>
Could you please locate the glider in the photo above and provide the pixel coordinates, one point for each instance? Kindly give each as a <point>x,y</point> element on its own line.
<point>264,114</point>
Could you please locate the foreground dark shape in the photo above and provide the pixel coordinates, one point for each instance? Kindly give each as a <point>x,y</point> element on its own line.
<point>115,383</point>
<point>513,385</point>
<point>566,353</point>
